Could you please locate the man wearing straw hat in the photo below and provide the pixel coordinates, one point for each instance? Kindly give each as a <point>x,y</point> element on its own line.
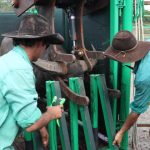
<point>18,96</point>
<point>125,48</point>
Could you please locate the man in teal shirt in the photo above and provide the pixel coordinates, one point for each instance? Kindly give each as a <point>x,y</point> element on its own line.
<point>124,49</point>
<point>18,96</point>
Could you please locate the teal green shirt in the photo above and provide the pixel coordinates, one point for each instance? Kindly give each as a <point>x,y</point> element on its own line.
<point>142,86</point>
<point>18,97</point>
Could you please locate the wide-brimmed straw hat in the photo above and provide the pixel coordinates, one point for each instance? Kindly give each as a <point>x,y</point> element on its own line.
<point>125,48</point>
<point>33,27</point>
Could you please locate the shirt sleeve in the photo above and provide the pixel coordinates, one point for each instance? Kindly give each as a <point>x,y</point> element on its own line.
<point>21,96</point>
<point>141,98</point>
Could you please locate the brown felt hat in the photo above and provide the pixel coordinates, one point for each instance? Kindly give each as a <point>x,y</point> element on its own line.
<point>33,27</point>
<point>125,48</point>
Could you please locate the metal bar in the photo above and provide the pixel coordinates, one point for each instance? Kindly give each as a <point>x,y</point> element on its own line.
<point>63,131</point>
<point>64,136</point>
<point>73,119</point>
<point>127,20</point>
<point>52,124</point>
<point>28,141</point>
<point>108,118</point>
<point>94,106</point>
<point>37,143</point>
<point>114,27</point>
<point>85,116</point>
<point>78,99</point>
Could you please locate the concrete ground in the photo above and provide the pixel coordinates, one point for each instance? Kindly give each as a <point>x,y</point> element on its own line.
<point>139,137</point>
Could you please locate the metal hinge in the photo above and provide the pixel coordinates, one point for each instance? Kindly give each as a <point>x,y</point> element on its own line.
<point>121,5</point>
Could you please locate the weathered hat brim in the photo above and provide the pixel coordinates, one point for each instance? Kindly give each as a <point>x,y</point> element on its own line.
<point>130,56</point>
<point>55,38</point>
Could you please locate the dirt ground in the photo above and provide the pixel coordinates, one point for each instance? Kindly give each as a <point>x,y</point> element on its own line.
<point>139,137</point>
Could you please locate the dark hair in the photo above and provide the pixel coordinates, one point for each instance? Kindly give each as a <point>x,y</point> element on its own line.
<point>30,42</point>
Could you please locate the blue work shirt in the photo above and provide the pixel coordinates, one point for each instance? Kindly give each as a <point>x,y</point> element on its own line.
<point>18,97</point>
<point>142,86</point>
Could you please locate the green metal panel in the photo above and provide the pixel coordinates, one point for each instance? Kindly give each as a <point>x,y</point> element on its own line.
<point>94,106</point>
<point>53,89</point>
<point>94,101</point>
<point>126,72</point>
<point>28,136</point>
<point>37,142</point>
<point>73,119</point>
<point>52,124</point>
<point>85,116</point>
<point>114,27</point>
<point>28,140</point>
<point>105,102</point>
<point>86,121</point>
<point>62,126</point>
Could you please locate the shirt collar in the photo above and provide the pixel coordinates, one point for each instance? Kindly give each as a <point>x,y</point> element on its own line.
<point>22,52</point>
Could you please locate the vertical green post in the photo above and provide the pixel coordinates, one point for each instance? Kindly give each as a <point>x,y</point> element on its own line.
<point>52,124</point>
<point>28,140</point>
<point>85,116</point>
<point>94,106</point>
<point>126,72</point>
<point>73,119</point>
<point>114,27</point>
<point>94,101</point>
<point>106,109</point>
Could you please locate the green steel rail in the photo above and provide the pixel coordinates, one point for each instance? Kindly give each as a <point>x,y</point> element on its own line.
<point>76,84</point>
<point>114,27</point>
<point>99,89</point>
<point>126,72</point>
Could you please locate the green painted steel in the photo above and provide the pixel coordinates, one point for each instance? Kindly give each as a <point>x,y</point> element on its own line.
<point>53,89</point>
<point>27,136</point>
<point>52,125</point>
<point>85,116</point>
<point>94,106</point>
<point>37,142</point>
<point>125,11</point>
<point>98,84</point>
<point>28,140</point>
<point>62,126</point>
<point>114,27</point>
<point>139,9</point>
<point>94,101</point>
<point>73,119</point>
<point>106,108</point>
<point>126,72</point>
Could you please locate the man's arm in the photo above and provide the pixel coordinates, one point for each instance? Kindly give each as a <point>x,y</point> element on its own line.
<point>53,112</point>
<point>131,119</point>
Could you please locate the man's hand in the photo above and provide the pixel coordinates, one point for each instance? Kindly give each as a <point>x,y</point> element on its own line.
<point>118,139</point>
<point>44,136</point>
<point>55,112</point>
<point>131,119</point>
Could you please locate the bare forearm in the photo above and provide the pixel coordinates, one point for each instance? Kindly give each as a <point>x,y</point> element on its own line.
<point>43,121</point>
<point>54,112</point>
<point>131,119</point>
